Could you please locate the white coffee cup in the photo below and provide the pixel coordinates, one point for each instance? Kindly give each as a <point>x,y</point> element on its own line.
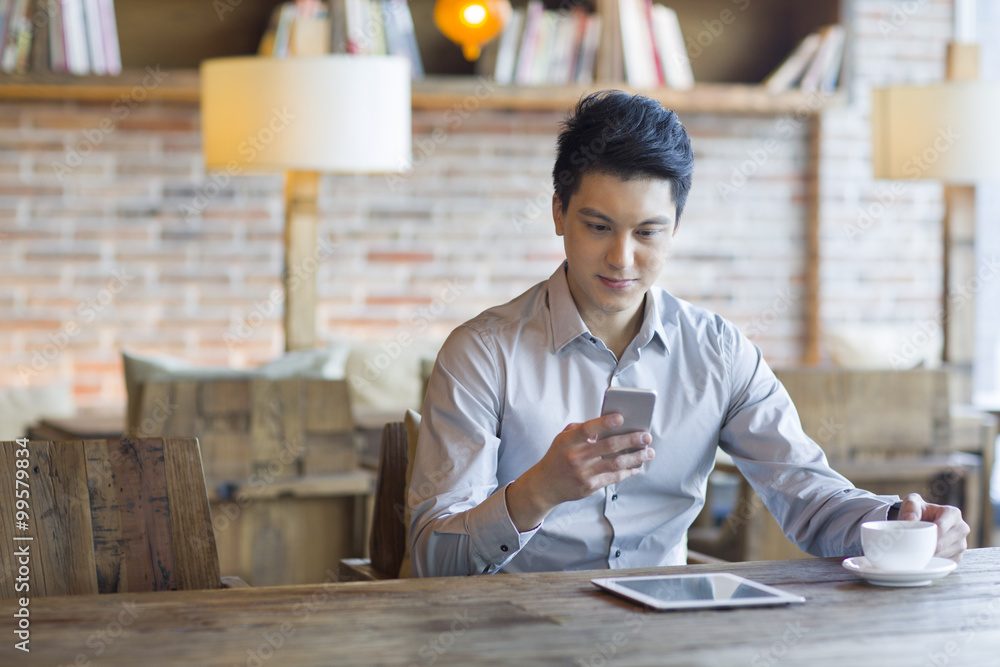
<point>899,545</point>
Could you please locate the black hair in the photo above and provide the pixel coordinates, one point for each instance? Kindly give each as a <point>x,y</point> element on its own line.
<point>626,136</point>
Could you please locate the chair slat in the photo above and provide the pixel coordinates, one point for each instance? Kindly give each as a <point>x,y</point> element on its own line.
<point>191,533</point>
<point>145,515</point>
<point>109,544</point>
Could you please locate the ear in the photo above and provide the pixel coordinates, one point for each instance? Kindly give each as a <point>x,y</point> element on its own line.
<point>557,215</point>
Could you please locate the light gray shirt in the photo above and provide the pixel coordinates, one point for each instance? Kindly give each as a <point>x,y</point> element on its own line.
<point>509,380</point>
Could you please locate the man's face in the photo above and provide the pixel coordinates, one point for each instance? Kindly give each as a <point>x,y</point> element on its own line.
<point>617,235</point>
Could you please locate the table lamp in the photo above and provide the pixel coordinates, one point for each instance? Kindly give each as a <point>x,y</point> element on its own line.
<point>301,116</point>
<point>946,131</point>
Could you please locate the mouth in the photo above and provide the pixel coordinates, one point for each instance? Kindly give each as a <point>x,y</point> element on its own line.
<point>617,284</point>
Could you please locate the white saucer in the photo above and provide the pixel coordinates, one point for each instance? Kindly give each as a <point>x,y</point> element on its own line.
<point>937,568</point>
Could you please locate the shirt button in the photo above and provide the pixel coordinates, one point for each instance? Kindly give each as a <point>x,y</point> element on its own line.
<point>503,547</point>
<point>593,340</point>
<point>618,552</point>
<point>614,497</point>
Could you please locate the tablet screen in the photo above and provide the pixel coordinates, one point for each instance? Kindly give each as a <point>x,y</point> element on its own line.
<point>695,590</point>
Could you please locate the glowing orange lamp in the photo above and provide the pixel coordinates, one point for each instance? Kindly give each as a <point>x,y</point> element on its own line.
<point>471,23</point>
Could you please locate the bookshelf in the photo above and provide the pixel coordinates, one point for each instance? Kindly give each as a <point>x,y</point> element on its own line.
<point>733,45</point>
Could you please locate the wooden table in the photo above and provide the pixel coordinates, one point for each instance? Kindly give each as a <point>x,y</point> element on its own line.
<point>537,619</point>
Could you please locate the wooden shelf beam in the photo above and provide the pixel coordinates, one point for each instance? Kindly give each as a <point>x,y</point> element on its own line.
<point>432,93</point>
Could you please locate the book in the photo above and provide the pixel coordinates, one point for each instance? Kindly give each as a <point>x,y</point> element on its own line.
<point>674,59</point>
<point>831,43</point>
<point>39,58</point>
<point>507,48</point>
<point>75,37</point>
<point>529,43</point>
<point>588,50</point>
<point>109,35</point>
<point>17,24</point>
<point>610,59</point>
<point>564,47</point>
<point>647,6</point>
<point>57,39</point>
<point>400,36</point>
<point>792,68</point>
<point>5,10</point>
<point>338,26</point>
<point>640,66</point>
<point>95,40</point>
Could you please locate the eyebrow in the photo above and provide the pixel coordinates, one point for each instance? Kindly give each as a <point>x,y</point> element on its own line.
<point>594,213</point>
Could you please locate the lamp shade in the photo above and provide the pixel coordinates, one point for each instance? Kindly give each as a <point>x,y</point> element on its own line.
<point>946,132</point>
<point>331,113</point>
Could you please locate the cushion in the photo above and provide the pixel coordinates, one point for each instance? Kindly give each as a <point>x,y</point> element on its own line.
<point>884,346</point>
<point>411,422</point>
<point>20,407</point>
<point>385,377</point>
<point>327,363</point>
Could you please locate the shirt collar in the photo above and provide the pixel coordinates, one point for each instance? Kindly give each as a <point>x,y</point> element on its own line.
<point>568,325</point>
<point>564,316</point>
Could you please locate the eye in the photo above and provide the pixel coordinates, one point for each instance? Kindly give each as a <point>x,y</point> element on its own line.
<point>650,233</point>
<point>597,227</point>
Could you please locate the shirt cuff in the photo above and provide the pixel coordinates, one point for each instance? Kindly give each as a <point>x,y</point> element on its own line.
<point>493,532</point>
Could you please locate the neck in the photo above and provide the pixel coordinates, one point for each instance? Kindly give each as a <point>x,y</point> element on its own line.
<point>616,330</point>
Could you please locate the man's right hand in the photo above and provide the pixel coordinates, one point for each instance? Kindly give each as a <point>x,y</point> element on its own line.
<point>576,465</point>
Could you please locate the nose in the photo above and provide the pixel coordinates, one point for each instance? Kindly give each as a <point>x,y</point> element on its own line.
<point>621,254</point>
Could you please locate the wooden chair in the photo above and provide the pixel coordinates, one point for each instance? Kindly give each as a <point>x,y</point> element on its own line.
<point>890,432</point>
<point>387,545</point>
<point>106,516</point>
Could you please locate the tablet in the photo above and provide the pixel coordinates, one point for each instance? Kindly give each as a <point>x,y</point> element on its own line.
<point>695,591</point>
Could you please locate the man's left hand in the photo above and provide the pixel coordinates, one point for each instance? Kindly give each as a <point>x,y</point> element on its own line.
<point>952,529</point>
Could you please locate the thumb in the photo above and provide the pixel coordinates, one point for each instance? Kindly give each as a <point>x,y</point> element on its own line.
<point>913,508</point>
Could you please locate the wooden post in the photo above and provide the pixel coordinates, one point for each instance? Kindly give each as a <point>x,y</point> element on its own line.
<point>959,255</point>
<point>301,262</point>
<point>811,307</point>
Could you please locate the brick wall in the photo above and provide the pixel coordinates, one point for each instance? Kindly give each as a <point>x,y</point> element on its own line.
<point>100,250</point>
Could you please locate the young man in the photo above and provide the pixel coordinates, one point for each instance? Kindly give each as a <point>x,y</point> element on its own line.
<point>509,473</point>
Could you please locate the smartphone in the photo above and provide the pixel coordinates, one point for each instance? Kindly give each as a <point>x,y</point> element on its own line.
<point>634,405</point>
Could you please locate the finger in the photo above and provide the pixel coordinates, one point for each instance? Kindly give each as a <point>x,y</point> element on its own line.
<point>595,427</point>
<point>631,460</point>
<point>912,508</point>
<point>622,444</point>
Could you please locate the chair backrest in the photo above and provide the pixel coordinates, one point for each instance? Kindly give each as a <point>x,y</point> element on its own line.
<point>388,536</point>
<point>283,428</point>
<point>105,516</point>
<point>872,414</point>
